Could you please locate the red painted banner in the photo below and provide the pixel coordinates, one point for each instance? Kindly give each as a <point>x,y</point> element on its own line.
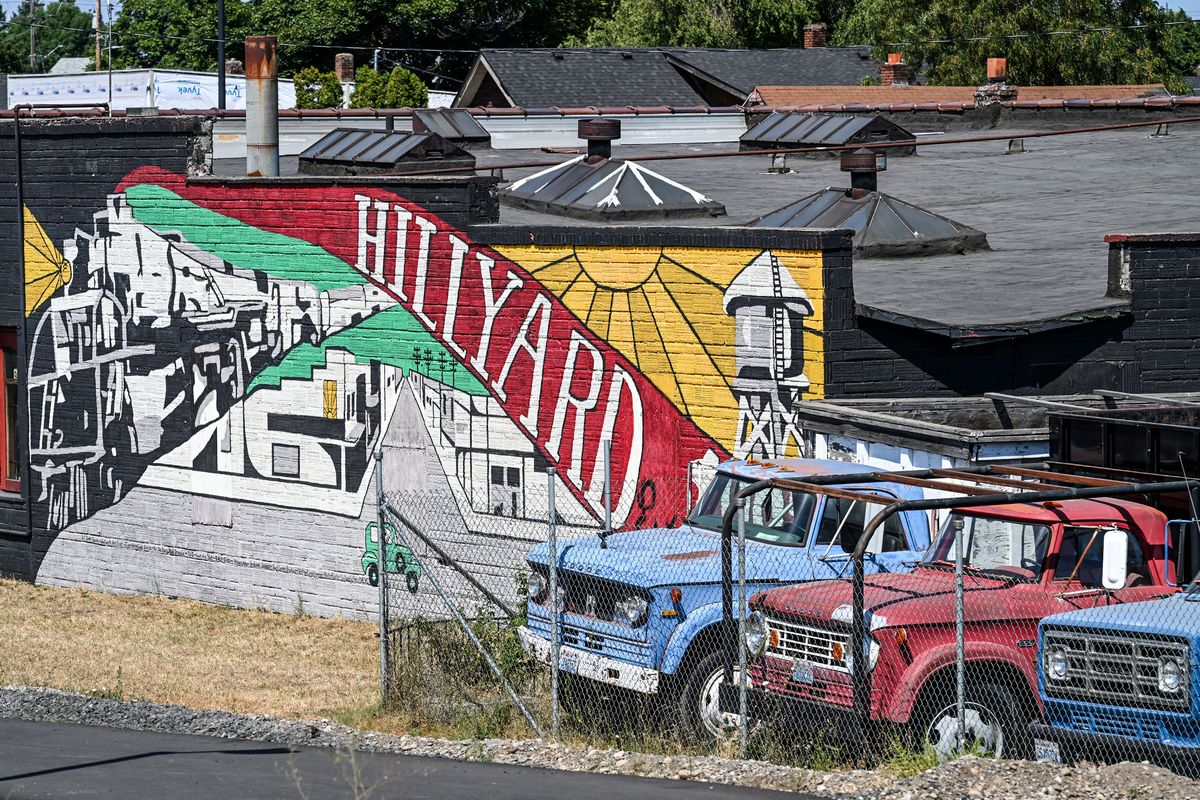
<point>566,388</point>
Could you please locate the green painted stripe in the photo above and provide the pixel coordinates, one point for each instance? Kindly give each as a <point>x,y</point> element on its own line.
<point>242,245</point>
<point>393,336</point>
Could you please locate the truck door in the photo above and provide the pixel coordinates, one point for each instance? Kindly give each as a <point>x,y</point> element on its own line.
<point>1077,574</point>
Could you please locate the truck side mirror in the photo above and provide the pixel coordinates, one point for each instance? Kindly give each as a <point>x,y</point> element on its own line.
<point>1115,568</point>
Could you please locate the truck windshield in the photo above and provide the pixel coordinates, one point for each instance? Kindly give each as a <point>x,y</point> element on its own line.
<point>778,516</point>
<point>1001,547</point>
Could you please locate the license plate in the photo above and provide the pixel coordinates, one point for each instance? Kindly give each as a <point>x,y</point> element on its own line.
<point>802,672</point>
<point>1046,751</point>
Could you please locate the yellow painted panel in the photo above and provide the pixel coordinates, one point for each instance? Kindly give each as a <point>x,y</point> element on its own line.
<point>46,270</point>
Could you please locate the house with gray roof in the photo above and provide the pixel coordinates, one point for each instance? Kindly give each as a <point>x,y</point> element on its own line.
<point>655,76</point>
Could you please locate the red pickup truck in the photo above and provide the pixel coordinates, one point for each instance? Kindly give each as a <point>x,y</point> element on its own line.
<point>1022,562</point>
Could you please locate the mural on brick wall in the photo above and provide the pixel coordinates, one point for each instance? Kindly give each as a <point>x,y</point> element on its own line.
<point>252,344</point>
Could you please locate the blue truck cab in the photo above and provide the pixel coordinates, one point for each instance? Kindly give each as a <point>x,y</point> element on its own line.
<point>641,612</point>
<point>1122,683</point>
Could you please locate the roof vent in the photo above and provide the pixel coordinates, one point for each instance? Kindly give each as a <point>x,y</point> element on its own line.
<point>598,186</point>
<point>599,134</point>
<point>452,124</point>
<point>354,151</point>
<point>863,166</point>
<point>798,129</point>
<point>884,226</point>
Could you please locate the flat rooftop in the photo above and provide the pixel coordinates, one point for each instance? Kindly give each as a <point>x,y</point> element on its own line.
<point>1045,212</point>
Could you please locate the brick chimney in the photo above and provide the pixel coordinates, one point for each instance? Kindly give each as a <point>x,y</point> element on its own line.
<point>343,67</point>
<point>893,72</point>
<point>816,34</point>
<point>996,88</point>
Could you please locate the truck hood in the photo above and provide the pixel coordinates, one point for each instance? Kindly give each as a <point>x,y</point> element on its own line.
<point>1175,615</point>
<point>922,597</point>
<point>674,556</point>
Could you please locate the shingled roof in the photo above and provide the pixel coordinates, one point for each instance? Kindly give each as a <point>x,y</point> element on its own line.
<point>570,77</point>
<point>741,70</point>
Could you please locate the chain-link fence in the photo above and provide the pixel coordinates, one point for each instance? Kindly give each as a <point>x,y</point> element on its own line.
<point>837,622</point>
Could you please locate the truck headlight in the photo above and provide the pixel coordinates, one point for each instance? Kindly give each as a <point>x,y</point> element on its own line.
<point>632,611</point>
<point>536,586</point>
<point>1171,673</point>
<point>872,656</point>
<point>1056,664</point>
<point>757,633</point>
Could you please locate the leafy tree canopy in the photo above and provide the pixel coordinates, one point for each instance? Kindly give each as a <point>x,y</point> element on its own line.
<point>1155,54</point>
<point>62,31</point>
<point>394,89</point>
<point>181,34</point>
<point>703,23</point>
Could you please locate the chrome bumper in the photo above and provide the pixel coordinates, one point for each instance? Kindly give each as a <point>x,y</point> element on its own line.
<point>592,666</point>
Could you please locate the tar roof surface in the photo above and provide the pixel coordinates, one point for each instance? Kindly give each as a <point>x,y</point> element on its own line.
<point>1045,212</point>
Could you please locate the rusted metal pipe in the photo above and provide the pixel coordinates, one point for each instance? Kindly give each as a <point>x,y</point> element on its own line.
<point>262,107</point>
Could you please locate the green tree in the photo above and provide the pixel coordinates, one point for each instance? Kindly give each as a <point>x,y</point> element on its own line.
<point>63,31</point>
<point>702,23</point>
<point>1154,54</point>
<point>177,34</point>
<point>394,89</point>
<point>316,89</point>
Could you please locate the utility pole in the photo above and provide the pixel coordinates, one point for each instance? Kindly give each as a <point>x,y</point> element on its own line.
<point>33,6</point>
<point>99,21</point>
<point>221,54</point>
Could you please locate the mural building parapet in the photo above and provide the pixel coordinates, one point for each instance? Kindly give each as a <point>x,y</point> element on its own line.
<point>211,368</point>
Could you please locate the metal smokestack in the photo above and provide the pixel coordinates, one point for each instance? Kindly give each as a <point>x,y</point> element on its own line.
<point>262,107</point>
<point>863,166</point>
<point>599,134</point>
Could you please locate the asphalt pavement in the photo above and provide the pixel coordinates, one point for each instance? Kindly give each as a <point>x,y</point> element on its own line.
<point>45,759</point>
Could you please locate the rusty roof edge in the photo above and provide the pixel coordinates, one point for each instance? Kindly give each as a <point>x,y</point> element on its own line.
<point>1068,104</point>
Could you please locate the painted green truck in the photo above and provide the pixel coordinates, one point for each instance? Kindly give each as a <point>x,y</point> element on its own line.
<point>399,558</point>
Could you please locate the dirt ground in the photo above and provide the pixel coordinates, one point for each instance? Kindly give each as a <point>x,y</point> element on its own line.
<point>180,651</point>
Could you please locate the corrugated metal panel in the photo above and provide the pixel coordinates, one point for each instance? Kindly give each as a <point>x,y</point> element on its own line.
<point>798,129</point>
<point>378,149</point>
<point>883,225</point>
<point>608,189</point>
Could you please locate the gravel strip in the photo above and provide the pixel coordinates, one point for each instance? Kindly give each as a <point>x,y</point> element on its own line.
<point>968,777</point>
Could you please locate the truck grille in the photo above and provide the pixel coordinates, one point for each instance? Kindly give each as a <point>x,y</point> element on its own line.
<point>592,597</point>
<point>1117,669</point>
<point>805,643</point>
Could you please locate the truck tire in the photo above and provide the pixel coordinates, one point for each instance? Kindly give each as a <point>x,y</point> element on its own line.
<point>694,705</point>
<point>997,721</point>
<point>372,574</point>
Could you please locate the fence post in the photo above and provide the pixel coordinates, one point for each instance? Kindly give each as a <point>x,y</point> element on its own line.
<point>381,560</point>
<point>743,722</point>
<point>607,492</point>
<point>555,639</point>
<point>960,662</point>
<point>423,565</point>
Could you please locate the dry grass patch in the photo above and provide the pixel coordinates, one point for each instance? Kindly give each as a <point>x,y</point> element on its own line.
<point>180,651</point>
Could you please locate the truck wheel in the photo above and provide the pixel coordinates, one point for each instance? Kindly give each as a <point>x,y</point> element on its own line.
<point>373,575</point>
<point>996,721</point>
<point>697,713</point>
<point>410,578</point>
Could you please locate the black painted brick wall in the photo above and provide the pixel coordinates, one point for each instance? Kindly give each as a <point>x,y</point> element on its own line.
<point>69,166</point>
<point>1154,349</point>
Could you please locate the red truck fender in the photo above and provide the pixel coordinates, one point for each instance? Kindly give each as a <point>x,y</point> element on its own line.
<point>898,705</point>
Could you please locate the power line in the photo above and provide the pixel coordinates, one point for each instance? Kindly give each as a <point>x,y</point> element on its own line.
<point>214,40</point>
<point>1081,31</point>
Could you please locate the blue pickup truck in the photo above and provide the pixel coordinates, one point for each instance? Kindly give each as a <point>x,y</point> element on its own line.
<point>1122,683</point>
<point>642,612</point>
